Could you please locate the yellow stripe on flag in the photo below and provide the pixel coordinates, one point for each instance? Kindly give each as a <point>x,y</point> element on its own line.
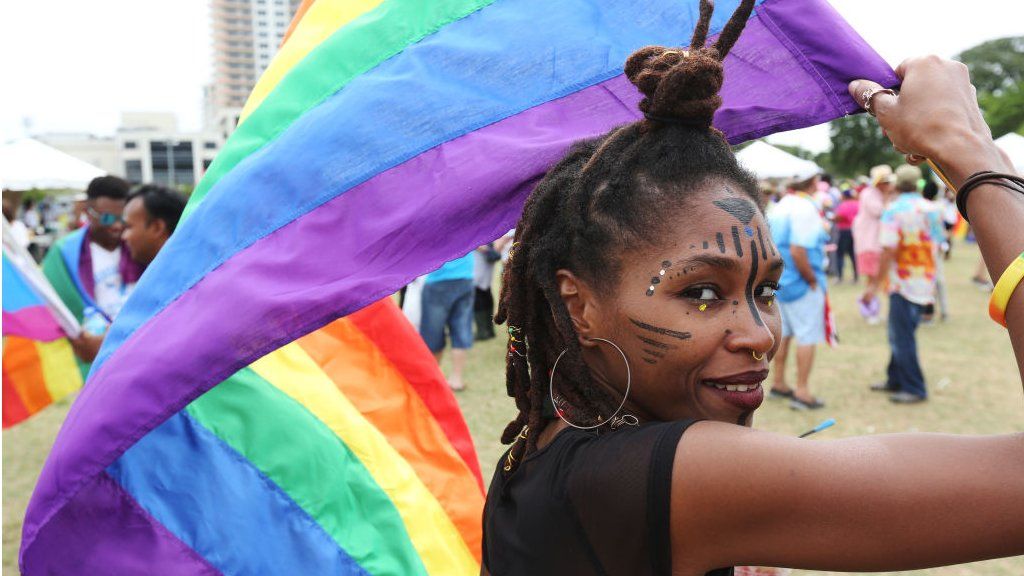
<point>324,18</point>
<point>433,535</point>
<point>60,371</point>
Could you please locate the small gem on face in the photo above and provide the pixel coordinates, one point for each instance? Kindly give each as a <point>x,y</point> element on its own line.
<point>661,272</point>
<point>665,264</point>
<point>650,291</point>
<point>749,231</point>
<point>655,280</point>
<point>703,307</point>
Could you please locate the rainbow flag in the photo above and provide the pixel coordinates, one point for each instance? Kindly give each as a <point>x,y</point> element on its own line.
<point>387,137</point>
<point>39,367</point>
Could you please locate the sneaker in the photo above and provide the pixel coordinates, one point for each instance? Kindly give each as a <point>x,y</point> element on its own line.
<point>798,404</point>
<point>906,398</point>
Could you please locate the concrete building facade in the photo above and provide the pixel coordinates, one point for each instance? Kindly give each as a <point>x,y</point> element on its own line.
<point>246,35</point>
<point>147,148</point>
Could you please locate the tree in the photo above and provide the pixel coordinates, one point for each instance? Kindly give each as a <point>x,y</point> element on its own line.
<point>997,70</point>
<point>857,145</point>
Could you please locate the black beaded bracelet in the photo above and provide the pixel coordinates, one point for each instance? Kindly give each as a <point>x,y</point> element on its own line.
<point>1008,181</point>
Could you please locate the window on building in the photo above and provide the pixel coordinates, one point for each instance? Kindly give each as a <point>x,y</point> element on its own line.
<point>210,145</point>
<point>129,145</point>
<point>182,166</point>
<point>161,159</point>
<point>133,171</point>
<point>206,165</point>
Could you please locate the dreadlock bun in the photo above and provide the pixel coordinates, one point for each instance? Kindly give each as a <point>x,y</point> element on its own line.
<point>681,86</point>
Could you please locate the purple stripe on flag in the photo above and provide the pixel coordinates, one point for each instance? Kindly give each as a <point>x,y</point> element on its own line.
<point>104,531</point>
<point>366,243</point>
<point>34,322</point>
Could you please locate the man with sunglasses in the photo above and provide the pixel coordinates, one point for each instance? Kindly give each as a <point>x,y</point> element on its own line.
<point>90,268</point>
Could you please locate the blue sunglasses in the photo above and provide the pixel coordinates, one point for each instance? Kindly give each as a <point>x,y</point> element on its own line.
<point>105,218</point>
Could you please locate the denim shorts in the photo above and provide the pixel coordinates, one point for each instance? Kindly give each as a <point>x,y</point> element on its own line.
<point>447,303</point>
<point>804,318</point>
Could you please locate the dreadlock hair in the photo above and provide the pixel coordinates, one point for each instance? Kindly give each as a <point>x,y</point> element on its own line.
<point>605,196</point>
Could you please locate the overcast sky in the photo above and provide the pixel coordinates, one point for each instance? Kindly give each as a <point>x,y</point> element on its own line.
<point>74,65</point>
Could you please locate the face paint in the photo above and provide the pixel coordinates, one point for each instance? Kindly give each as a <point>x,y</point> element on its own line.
<point>654,353</point>
<point>736,241</point>
<point>705,244</point>
<point>654,343</point>
<point>660,330</point>
<point>742,210</point>
<point>721,242</point>
<point>750,284</point>
<point>655,280</point>
<point>760,239</point>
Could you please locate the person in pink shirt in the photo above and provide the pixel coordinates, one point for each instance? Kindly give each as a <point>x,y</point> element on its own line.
<point>866,228</point>
<point>844,216</point>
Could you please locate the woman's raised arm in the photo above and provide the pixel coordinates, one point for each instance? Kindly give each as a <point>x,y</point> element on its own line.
<point>886,502</point>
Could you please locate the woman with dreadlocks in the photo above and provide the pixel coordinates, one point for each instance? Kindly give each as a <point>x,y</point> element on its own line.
<point>639,304</point>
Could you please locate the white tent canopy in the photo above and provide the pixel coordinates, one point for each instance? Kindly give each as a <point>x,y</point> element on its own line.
<point>767,161</point>
<point>27,164</point>
<point>1013,145</point>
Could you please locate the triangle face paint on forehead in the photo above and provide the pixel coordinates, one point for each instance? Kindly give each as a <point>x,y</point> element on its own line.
<point>739,208</point>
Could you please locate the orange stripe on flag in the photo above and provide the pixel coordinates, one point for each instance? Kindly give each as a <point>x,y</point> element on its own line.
<point>14,410</point>
<point>25,372</point>
<point>380,392</point>
<point>303,8</point>
<point>385,325</point>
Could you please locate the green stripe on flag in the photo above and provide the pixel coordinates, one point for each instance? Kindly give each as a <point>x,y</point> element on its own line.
<point>328,482</point>
<point>350,52</point>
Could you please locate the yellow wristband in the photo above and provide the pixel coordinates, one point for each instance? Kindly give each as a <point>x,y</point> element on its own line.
<point>1004,289</point>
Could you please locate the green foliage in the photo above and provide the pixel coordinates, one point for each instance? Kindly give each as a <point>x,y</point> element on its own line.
<point>997,70</point>
<point>1005,112</point>
<point>857,145</point>
<point>995,65</point>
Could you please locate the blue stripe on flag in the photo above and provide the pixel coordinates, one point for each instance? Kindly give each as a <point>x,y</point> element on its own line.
<point>181,472</point>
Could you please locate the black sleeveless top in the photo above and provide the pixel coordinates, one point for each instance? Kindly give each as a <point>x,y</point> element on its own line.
<point>586,504</point>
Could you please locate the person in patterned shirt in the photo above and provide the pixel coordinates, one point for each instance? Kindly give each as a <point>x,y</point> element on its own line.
<point>909,233</point>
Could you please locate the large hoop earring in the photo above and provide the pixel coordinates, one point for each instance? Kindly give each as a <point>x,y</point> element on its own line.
<point>626,419</point>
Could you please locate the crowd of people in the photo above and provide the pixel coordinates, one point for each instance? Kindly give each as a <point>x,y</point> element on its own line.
<point>894,228</point>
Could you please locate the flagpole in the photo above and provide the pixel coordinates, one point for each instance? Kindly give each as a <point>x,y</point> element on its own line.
<point>22,260</point>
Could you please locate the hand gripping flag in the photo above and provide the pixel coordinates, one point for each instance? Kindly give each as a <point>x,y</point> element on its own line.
<point>388,136</point>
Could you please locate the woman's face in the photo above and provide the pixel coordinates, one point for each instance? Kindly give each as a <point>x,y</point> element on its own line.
<point>695,315</point>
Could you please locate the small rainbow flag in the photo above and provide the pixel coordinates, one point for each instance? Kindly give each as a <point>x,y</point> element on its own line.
<point>39,367</point>
<point>232,424</point>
